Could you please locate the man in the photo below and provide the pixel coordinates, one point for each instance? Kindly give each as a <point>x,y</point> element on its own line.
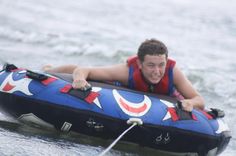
<point>149,71</point>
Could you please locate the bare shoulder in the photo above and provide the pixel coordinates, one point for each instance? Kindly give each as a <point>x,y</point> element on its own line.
<point>178,75</point>
<point>118,72</point>
<point>182,83</point>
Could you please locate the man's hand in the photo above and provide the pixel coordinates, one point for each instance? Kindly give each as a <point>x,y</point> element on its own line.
<point>81,84</point>
<point>187,105</point>
<point>47,67</point>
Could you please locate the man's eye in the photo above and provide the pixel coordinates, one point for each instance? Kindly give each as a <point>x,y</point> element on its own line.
<point>151,65</point>
<point>162,64</point>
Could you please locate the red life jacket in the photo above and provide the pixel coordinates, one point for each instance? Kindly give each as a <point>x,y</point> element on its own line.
<point>136,80</point>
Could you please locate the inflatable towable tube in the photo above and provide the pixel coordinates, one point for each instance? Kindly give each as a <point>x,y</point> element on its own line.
<point>102,111</point>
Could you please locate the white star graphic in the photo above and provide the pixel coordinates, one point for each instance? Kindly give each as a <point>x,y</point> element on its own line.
<point>169,105</point>
<point>96,101</point>
<point>21,85</point>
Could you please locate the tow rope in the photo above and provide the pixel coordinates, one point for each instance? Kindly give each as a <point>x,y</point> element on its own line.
<point>134,122</point>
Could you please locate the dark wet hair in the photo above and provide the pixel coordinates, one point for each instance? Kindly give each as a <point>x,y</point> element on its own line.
<point>151,47</point>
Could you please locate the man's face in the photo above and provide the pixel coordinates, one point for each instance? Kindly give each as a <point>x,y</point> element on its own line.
<point>153,67</point>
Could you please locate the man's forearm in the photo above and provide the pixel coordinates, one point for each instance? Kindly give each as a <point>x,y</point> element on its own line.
<point>62,69</point>
<point>199,102</point>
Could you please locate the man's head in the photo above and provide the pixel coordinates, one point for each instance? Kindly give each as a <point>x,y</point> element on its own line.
<point>152,60</point>
<point>152,47</point>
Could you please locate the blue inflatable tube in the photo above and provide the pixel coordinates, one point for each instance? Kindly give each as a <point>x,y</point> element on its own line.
<point>103,112</point>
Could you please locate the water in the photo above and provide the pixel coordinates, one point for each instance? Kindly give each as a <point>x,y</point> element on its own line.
<point>200,35</point>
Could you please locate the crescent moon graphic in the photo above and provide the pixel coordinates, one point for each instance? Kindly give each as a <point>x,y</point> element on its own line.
<point>131,108</point>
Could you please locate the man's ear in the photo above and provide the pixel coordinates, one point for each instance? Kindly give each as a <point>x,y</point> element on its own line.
<point>139,64</point>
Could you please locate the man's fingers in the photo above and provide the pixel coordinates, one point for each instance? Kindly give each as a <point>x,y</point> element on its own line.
<point>187,106</point>
<point>81,84</point>
<point>47,67</point>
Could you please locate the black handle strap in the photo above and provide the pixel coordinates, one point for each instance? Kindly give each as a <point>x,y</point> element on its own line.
<point>216,113</point>
<point>8,67</point>
<point>183,115</point>
<point>36,76</point>
<point>179,105</point>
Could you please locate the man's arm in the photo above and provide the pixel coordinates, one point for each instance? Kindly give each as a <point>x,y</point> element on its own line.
<point>61,69</point>
<point>109,73</point>
<point>192,98</point>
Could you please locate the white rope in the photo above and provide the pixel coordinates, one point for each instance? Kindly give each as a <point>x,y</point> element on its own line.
<point>114,142</point>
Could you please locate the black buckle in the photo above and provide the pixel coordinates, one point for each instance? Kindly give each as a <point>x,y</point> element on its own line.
<point>36,76</point>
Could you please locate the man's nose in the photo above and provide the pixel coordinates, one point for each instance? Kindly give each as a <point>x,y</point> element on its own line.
<point>157,70</point>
